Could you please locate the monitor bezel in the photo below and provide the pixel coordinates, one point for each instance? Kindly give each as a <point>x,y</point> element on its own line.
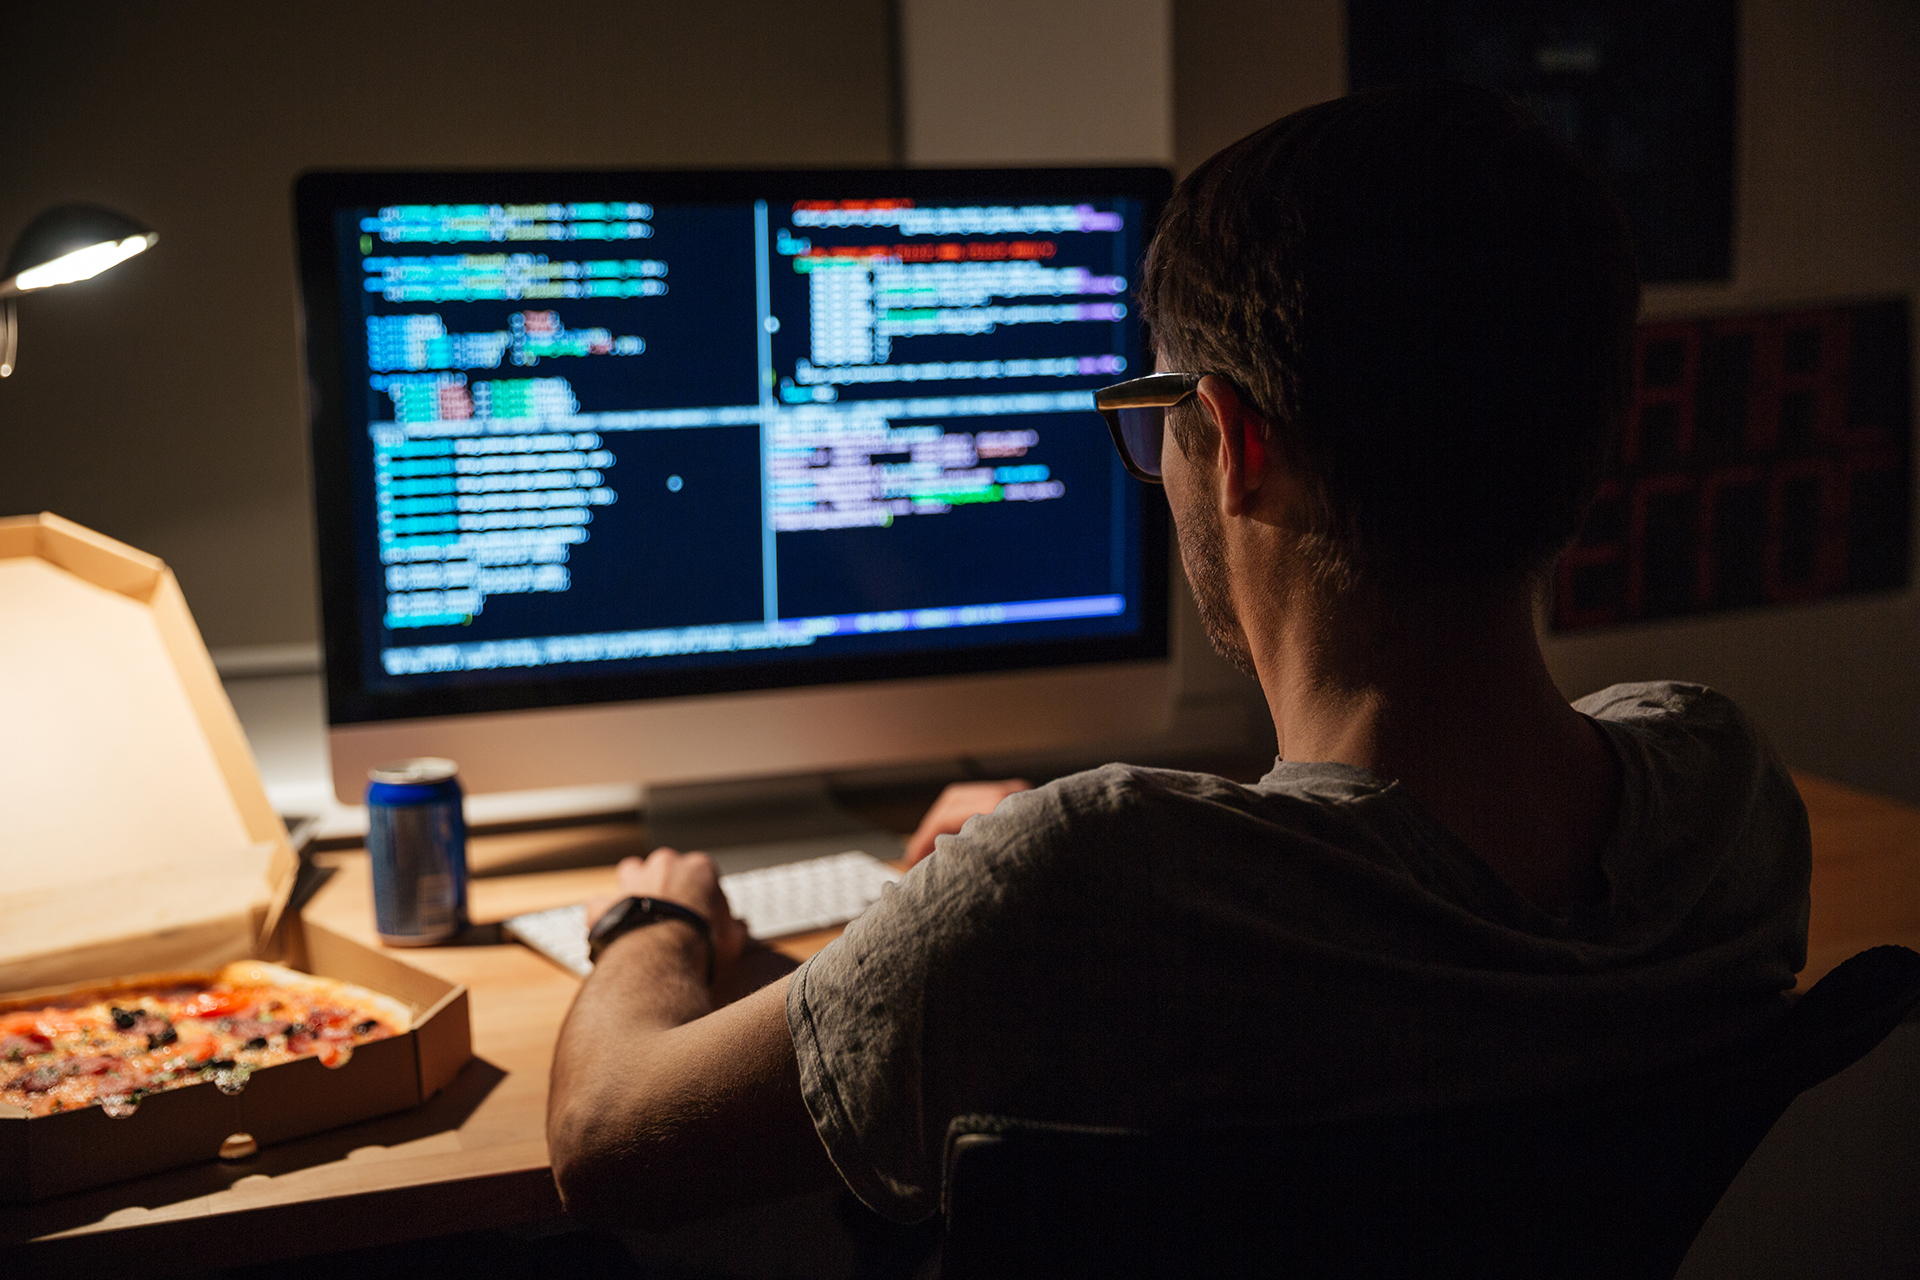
<point>319,194</point>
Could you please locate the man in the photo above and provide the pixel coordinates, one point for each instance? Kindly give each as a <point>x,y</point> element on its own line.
<point>1405,324</point>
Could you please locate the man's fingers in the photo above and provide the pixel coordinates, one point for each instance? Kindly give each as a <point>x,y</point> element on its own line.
<point>668,873</point>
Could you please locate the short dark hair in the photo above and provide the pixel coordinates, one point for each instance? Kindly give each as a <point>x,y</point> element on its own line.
<point>1430,299</point>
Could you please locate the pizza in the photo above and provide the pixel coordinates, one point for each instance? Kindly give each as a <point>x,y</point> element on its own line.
<point>114,1044</point>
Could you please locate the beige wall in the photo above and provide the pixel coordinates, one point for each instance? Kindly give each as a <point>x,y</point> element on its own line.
<point>1014,82</point>
<point>160,402</point>
<point>1238,64</point>
<point>1828,207</point>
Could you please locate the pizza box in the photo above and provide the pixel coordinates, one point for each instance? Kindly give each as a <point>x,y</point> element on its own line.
<point>136,838</point>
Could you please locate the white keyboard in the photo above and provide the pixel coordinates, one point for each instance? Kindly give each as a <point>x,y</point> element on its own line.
<point>560,935</point>
<point>791,897</point>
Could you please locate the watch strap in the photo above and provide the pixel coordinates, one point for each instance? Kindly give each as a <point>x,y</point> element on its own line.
<point>637,912</point>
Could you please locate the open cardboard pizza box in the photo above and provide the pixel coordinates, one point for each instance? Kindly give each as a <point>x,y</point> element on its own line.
<point>135,837</point>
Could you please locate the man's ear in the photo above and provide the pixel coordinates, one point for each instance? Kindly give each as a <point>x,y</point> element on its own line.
<point>1242,460</point>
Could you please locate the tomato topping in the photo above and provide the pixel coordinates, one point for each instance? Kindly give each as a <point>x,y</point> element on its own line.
<point>41,1022</point>
<point>200,1050</point>
<point>214,1004</point>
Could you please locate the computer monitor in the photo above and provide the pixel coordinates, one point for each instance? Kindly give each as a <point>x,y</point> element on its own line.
<point>676,477</point>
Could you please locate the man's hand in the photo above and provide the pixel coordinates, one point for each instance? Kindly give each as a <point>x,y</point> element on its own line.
<point>688,879</point>
<point>960,801</point>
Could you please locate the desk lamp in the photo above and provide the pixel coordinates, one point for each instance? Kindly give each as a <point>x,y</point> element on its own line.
<point>64,244</point>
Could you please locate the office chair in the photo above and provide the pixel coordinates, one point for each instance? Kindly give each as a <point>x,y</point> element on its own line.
<point>1613,1182</point>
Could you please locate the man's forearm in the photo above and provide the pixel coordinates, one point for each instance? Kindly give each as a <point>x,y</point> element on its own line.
<point>601,1110</point>
<point>650,979</point>
<point>645,983</point>
<point>657,1099</point>
<point>671,1099</point>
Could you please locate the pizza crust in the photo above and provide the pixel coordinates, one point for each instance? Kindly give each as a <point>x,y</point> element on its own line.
<point>91,992</point>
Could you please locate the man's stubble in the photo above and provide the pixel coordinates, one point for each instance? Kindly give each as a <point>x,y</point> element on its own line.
<point>1203,553</point>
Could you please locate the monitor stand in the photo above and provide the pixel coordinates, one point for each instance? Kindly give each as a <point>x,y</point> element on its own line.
<point>761,823</point>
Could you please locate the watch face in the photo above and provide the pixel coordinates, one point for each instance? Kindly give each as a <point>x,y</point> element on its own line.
<point>629,914</point>
<point>610,924</point>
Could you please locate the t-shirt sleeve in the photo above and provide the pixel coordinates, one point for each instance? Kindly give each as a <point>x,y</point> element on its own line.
<point>893,1023</point>
<point>1724,862</point>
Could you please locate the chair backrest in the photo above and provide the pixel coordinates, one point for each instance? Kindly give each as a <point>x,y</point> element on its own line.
<point>1613,1182</point>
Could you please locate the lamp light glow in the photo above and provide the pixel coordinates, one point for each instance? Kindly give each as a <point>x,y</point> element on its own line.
<point>82,264</point>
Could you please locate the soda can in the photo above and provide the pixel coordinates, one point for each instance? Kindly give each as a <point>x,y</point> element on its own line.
<point>417,838</point>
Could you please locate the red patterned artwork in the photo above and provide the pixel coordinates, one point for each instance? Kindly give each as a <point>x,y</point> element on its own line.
<point>1766,460</point>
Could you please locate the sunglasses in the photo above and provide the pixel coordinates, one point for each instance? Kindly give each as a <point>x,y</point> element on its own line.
<point>1136,414</point>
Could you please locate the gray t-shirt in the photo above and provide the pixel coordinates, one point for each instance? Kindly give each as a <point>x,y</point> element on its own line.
<point>1141,947</point>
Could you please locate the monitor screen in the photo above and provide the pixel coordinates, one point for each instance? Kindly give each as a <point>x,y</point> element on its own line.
<point>587,437</point>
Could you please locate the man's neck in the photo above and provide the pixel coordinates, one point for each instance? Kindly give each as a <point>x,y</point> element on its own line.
<point>1446,693</point>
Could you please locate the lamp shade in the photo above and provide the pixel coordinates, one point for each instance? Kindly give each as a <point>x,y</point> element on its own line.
<point>83,238</point>
<point>66,243</point>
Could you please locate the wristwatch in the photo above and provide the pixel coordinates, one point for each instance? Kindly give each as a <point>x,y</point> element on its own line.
<point>629,914</point>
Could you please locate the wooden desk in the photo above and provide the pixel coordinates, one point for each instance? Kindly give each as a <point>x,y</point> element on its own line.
<point>476,1156</point>
<point>1866,874</point>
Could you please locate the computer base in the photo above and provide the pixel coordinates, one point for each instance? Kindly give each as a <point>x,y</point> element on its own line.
<point>762,822</point>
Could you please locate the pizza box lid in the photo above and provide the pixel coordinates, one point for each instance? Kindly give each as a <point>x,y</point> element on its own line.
<point>135,834</point>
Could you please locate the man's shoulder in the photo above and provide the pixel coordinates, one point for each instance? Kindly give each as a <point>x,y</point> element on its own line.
<point>1686,733</point>
<point>1122,805</point>
<point>1128,788</point>
<point>1663,701</point>
<point>1100,807</point>
<point>1120,787</point>
<point>1131,792</point>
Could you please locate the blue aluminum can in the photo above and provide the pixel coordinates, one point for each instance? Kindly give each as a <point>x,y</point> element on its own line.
<point>417,837</point>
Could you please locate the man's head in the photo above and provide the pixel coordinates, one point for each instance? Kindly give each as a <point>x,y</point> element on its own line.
<point>1428,301</point>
